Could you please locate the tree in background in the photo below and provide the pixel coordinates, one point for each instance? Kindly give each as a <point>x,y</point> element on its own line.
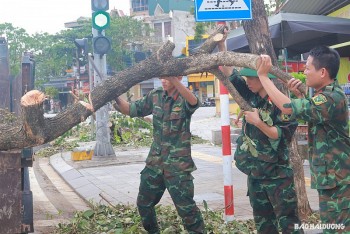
<point>125,31</point>
<point>52,92</point>
<point>54,54</point>
<point>17,40</point>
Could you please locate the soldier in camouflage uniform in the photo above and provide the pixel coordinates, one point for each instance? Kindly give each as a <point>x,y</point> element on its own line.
<point>169,163</point>
<point>329,143</point>
<point>262,153</point>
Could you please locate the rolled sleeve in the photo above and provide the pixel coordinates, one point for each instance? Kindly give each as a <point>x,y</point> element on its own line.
<point>275,142</point>
<point>191,109</point>
<point>298,106</point>
<point>286,127</point>
<point>240,85</point>
<point>235,75</point>
<point>133,110</point>
<point>142,107</point>
<point>307,110</point>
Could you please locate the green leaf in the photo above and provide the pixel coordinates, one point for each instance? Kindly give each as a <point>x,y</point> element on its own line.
<point>269,122</point>
<point>265,116</point>
<point>253,151</point>
<point>88,214</point>
<point>205,205</point>
<point>244,146</point>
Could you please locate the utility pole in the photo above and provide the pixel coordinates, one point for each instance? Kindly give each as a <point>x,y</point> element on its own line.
<point>101,45</point>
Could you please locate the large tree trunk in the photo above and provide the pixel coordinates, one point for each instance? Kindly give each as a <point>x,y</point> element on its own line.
<point>259,39</point>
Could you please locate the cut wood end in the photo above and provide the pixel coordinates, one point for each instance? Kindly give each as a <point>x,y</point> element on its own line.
<point>33,97</point>
<point>218,37</point>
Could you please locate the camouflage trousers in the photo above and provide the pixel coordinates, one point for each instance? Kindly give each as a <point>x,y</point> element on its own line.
<point>335,208</point>
<point>274,204</point>
<point>181,190</point>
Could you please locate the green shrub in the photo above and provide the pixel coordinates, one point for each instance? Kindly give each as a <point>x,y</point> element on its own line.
<point>131,131</point>
<point>299,76</point>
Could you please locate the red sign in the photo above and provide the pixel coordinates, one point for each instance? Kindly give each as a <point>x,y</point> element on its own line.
<point>294,66</point>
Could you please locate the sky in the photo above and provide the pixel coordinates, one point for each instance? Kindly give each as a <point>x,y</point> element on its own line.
<point>49,15</point>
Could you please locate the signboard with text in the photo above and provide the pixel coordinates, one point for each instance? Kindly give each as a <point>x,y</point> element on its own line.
<point>222,10</point>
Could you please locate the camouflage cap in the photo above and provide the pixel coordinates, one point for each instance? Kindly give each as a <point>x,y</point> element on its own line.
<point>252,73</point>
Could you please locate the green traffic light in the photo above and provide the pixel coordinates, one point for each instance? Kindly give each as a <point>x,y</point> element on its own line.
<point>100,20</point>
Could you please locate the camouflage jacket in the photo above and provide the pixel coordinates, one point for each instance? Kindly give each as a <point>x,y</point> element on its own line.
<point>329,143</point>
<point>272,160</point>
<point>171,148</point>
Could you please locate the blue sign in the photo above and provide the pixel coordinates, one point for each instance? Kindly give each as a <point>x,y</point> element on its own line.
<point>222,10</point>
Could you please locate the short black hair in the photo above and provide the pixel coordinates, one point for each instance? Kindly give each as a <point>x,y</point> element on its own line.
<point>325,57</point>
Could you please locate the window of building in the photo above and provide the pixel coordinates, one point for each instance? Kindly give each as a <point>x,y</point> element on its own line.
<point>158,30</point>
<point>139,5</point>
<point>167,28</point>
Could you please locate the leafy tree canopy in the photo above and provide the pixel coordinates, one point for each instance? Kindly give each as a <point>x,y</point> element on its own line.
<point>54,54</point>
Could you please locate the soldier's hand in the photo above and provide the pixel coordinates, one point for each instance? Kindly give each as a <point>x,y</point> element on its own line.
<point>172,79</point>
<point>252,117</point>
<point>265,65</point>
<point>293,85</point>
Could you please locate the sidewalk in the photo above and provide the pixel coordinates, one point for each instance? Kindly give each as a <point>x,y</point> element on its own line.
<point>117,179</point>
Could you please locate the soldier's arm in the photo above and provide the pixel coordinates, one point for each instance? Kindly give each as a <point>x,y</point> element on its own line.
<point>253,118</point>
<point>277,97</point>
<point>185,92</point>
<point>122,106</point>
<point>222,47</point>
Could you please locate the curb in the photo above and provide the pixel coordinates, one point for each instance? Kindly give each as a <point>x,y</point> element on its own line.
<point>82,186</point>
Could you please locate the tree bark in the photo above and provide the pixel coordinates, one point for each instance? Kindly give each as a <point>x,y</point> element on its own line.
<point>259,39</point>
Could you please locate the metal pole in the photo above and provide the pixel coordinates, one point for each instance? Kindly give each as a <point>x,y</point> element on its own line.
<point>226,150</point>
<point>91,86</point>
<point>78,73</point>
<point>226,153</point>
<point>103,145</point>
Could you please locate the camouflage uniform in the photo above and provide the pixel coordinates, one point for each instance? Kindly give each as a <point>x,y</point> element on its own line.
<point>169,163</point>
<point>270,178</point>
<point>329,150</point>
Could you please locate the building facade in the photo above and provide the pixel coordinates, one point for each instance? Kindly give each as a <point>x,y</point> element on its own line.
<point>169,20</point>
<point>338,8</point>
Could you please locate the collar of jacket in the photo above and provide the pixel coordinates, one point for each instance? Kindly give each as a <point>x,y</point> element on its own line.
<point>174,96</point>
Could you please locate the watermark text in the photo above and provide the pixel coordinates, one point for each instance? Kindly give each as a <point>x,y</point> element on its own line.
<point>312,226</point>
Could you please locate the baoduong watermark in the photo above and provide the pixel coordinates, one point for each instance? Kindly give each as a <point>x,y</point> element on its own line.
<point>312,226</point>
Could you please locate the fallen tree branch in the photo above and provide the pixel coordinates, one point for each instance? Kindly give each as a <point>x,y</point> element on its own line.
<point>33,129</point>
<point>232,90</point>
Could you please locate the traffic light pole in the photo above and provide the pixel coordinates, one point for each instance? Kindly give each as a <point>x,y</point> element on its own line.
<point>103,145</point>
<point>77,80</point>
